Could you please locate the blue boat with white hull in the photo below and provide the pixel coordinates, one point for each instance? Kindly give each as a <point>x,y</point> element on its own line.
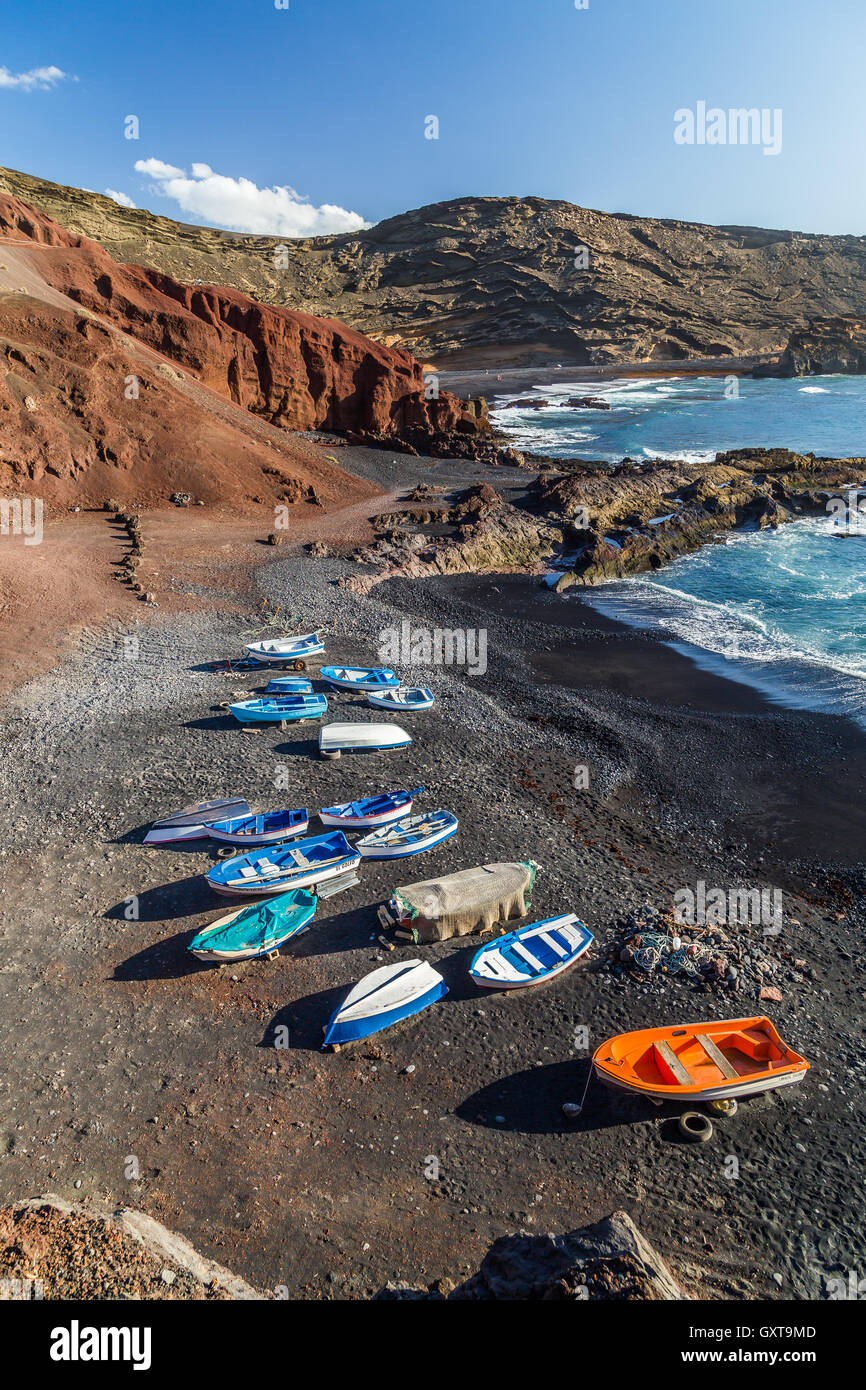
<point>370,811</point>
<point>273,709</point>
<point>259,929</point>
<point>410,836</point>
<point>359,678</point>
<point>407,698</point>
<point>267,829</point>
<point>383,998</point>
<point>301,865</point>
<point>531,955</point>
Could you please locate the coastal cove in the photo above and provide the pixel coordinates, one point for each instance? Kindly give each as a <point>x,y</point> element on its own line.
<point>783,610</point>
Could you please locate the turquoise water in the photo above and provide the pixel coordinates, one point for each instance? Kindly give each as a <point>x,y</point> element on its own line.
<point>782,610</point>
<point>694,418</point>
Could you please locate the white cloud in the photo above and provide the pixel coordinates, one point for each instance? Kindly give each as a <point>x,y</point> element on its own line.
<point>122,198</point>
<point>36,79</point>
<point>240,206</point>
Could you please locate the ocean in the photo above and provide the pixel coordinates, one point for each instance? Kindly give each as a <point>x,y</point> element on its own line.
<point>783,610</point>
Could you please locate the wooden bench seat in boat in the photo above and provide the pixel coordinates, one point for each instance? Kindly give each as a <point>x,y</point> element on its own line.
<point>670,1065</point>
<point>717,1057</point>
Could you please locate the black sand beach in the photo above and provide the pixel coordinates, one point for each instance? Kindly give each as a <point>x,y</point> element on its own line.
<point>140,1077</point>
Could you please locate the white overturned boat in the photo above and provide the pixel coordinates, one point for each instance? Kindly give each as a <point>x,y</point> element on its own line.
<point>192,823</point>
<point>410,836</point>
<point>384,997</point>
<point>335,739</point>
<point>406,698</point>
<point>532,954</point>
<point>285,651</point>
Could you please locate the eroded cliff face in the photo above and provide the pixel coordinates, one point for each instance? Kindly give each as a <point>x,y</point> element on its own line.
<point>297,371</point>
<point>824,347</point>
<point>484,281</point>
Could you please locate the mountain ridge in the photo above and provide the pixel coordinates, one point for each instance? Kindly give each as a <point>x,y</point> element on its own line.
<point>499,281</point>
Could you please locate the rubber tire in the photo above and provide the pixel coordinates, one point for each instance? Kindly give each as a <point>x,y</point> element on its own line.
<point>702,1129</point>
<point>338,754</point>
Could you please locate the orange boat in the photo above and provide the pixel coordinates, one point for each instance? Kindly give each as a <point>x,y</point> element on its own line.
<point>700,1061</point>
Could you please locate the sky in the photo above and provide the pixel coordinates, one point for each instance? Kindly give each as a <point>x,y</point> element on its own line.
<point>300,117</point>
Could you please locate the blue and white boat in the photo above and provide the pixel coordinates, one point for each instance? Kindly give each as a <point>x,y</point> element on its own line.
<point>335,739</point>
<point>300,865</point>
<point>532,954</point>
<point>193,822</point>
<point>289,685</point>
<point>267,829</point>
<point>405,837</point>
<point>411,697</point>
<point>359,677</point>
<point>384,997</point>
<point>370,811</point>
<point>273,709</point>
<point>259,929</point>
<point>286,651</point>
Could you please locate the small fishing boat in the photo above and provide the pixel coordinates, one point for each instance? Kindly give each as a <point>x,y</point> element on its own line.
<point>273,709</point>
<point>289,685</point>
<point>335,739</point>
<point>286,651</point>
<point>370,811</point>
<point>405,837</point>
<point>406,698</point>
<point>300,865</point>
<point>384,997</point>
<point>359,677</point>
<point>256,930</point>
<point>531,955</point>
<point>193,821</point>
<point>267,829</point>
<point>700,1061</point>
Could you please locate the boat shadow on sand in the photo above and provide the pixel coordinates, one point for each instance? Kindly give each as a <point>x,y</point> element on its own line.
<point>300,1025</point>
<point>167,959</point>
<point>182,898</point>
<point>530,1102</point>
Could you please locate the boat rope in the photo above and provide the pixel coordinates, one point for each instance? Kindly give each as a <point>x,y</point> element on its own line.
<point>585,1089</point>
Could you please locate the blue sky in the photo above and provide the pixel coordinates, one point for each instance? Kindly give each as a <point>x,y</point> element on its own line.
<point>329,98</point>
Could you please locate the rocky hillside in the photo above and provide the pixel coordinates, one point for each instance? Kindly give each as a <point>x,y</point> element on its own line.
<point>119,380</point>
<point>508,280</point>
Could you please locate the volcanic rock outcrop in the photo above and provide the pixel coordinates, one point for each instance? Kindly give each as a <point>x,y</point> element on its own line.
<point>483,281</point>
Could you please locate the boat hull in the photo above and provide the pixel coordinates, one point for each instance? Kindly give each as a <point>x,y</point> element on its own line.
<point>363,679</point>
<point>384,998</point>
<point>304,864</point>
<point>717,1060</point>
<point>362,738</point>
<point>368,849</point>
<point>385,700</point>
<point>273,712</point>
<point>299,913</point>
<point>498,966</point>
<point>283,653</point>
<point>254,839</point>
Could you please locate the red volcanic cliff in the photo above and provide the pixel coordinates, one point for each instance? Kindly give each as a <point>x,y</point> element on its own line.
<point>294,370</point>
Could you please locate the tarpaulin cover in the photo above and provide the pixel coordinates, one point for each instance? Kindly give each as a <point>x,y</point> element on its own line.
<point>458,904</point>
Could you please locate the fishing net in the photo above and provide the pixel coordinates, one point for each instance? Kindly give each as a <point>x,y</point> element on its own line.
<point>458,904</point>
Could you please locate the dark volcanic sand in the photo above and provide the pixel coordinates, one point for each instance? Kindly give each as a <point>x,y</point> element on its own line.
<point>311,1170</point>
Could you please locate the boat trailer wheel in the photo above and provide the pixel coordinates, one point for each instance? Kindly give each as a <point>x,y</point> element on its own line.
<point>695,1127</point>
